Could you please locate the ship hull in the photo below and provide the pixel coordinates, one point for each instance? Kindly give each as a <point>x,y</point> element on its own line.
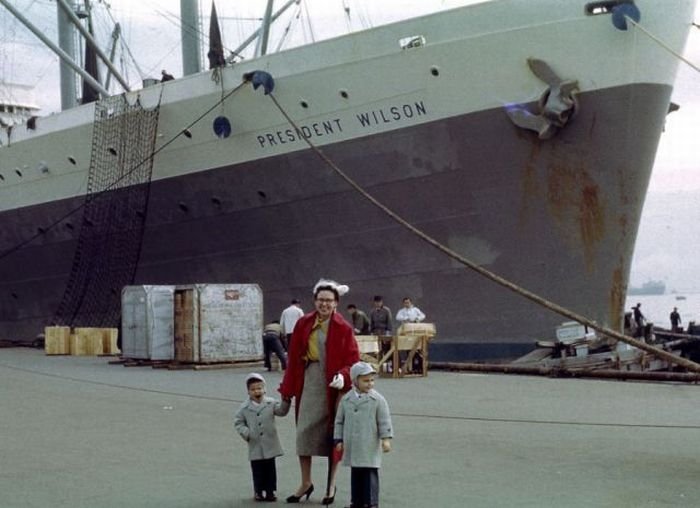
<point>429,137</point>
<point>554,218</point>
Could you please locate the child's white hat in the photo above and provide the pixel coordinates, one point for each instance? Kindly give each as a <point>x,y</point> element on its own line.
<point>254,376</point>
<point>361,369</point>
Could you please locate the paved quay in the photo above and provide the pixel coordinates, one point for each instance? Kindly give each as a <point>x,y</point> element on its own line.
<point>77,432</point>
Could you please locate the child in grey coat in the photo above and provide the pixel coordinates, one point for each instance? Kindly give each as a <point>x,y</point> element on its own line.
<point>255,422</point>
<point>362,428</point>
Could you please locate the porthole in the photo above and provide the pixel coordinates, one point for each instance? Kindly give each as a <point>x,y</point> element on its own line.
<point>344,94</point>
<point>182,206</point>
<point>19,173</point>
<point>434,71</point>
<point>71,160</point>
<point>112,151</point>
<point>187,133</point>
<point>262,194</point>
<point>2,178</point>
<point>304,104</point>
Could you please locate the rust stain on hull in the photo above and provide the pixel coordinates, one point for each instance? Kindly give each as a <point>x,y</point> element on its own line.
<point>616,302</point>
<point>574,201</point>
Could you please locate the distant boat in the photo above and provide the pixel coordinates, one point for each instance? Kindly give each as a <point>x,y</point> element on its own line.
<point>652,287</point>
<point>680,297</point>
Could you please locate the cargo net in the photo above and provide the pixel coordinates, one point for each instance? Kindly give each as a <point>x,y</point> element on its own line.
<point>114,214</point>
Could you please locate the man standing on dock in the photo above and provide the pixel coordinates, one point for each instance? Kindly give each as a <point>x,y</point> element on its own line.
<point>288,319</point>
<point>380,318</point>
<point>638,320</point>
<point>675,320</point>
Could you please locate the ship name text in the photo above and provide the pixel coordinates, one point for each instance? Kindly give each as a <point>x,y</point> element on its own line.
<point>314,130</point>
<point>334,126</point>
<point>391,114</point>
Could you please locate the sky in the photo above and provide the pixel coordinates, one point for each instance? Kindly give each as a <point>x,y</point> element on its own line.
<point>151,29</point>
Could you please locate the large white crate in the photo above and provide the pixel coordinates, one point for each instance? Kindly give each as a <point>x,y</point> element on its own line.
<point>218,322</point>
<point>147,322</point>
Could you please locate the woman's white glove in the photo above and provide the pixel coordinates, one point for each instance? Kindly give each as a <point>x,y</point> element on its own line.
<point>338,382</point>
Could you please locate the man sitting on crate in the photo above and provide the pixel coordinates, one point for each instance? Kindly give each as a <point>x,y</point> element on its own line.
<point>409,313</point>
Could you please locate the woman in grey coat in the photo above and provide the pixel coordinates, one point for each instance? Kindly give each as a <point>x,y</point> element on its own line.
<point>255,423</point>
<point>362,432</point>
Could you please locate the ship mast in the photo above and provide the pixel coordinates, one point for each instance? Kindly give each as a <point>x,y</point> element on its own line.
<point>189,34</point>
<point>65,57</point>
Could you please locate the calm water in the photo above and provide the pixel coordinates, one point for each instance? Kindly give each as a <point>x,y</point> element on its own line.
<point>656,308</point>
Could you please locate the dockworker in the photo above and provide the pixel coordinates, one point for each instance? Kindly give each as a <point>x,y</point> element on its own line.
<point>359,320</point>
<point>288,319</point>
<point>409,313</point>
<point>675,320</point>
<point>638,319</point>
<point>380,317</point>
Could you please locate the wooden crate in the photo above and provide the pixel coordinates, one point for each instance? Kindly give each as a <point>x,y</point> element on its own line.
<point>57,340</point>
<point>109,341</point>
<point>89,342</point>
<point>398,354</point>
<point>427,329</point>
<point>369,349</point>
<point>77,345</point>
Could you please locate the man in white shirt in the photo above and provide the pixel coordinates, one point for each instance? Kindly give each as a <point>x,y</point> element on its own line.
<point>289,318</point>
<point>409,313</point>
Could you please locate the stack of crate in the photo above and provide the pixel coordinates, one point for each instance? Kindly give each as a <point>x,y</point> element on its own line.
<point>60,340</point>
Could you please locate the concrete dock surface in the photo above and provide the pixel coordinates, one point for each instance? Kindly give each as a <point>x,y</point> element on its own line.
<point>78,432</point>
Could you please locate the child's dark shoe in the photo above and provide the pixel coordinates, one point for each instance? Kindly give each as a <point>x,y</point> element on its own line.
<point>270,496</point>
<point>259,496</point>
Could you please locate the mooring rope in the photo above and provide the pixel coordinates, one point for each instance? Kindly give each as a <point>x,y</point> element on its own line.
<point>663,44</point>
<point>692,366</point>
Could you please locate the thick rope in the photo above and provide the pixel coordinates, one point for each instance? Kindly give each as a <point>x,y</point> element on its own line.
<point>691,366</point>
<point>663,44</point>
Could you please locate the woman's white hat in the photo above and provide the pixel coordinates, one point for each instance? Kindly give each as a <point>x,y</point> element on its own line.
<point>340,288</point>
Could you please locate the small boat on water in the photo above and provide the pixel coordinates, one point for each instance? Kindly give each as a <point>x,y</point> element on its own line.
<point>521,134</point>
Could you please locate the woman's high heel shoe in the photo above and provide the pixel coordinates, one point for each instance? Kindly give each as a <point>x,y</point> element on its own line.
<point>329,499</point>
<point>295,499</point>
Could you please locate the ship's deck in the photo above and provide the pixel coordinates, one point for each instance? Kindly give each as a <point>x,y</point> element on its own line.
<point>79,432</point>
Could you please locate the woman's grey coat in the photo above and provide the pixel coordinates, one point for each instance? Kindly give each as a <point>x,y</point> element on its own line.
<point>361,423</point>
<point>256,425</point>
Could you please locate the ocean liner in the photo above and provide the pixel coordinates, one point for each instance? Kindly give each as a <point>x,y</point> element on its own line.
<point>520,134</point>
